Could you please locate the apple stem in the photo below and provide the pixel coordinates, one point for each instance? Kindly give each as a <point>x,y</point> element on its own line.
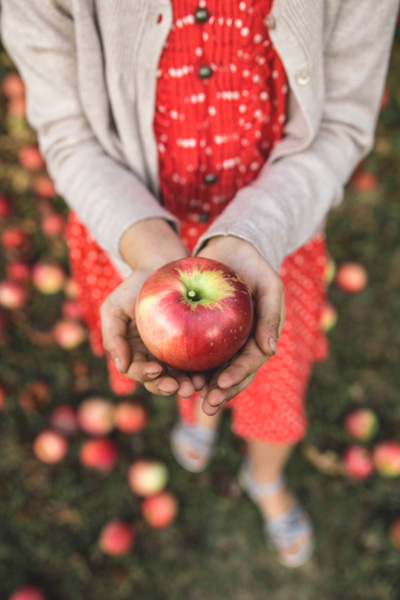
<point>192,295</point>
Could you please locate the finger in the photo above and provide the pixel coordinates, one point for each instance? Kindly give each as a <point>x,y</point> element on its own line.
<point>199,380</point>
<point>142,369</point>
<point>270,318</point>
<point>216,398</point>
<point>114,326</point>
<point>248,360</point>
<point>162,386</point>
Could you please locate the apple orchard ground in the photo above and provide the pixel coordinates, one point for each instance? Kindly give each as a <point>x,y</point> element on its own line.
<point>51,516</point>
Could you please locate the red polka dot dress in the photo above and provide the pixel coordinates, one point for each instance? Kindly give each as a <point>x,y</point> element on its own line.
<point>220,108</point>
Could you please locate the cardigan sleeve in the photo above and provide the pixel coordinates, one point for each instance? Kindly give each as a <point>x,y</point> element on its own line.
<point>290,199</point>
<point>107,197</point>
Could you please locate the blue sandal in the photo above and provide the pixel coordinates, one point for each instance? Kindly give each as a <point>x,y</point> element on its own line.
<point>286,529</point>
<point>196,438</point>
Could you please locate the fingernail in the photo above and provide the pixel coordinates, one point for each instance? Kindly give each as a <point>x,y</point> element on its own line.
<point>273,345</point>
<point>118,364</point>
<point>153,375</point>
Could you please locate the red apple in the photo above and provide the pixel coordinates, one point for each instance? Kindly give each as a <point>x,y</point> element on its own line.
<point>361,424</point>
<point>18,270</point>
<point>96,416</point>
<point>6,206</point>
<point>357,462</point>
<point>28,592</point>
<point>160,510</point>
<point>50,446</point>
<point>71,309</point>
<point>147,477</point>
<point>69,334</point>
<point>351,277</point>
<point>100,454</point>
<point>30,158</point>
<point>365,181</point>
<point>3,396</point>
<point>328,318</point>
<point>194,314</point>
<point>386,457</point>
<point>394,533</point>
<point>48,278</point>
<point>71,289</point>
<point>12,86</point>
<point>117,538</point>
<point>130,417</point>
<point>44,187</point>
<point>16,107</point>
<point>13,294</point>
<point>15,239</point>
<point>64,419</point>
<point>53,225</point>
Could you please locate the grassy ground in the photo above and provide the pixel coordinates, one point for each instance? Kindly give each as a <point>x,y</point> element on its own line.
<point>51,515</point>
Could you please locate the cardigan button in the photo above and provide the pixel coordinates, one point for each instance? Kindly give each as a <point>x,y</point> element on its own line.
<point>270,22</point>
<point>205,72</point>
<point>201,15</point>
<point>303,77</point>
<point>210,178</point>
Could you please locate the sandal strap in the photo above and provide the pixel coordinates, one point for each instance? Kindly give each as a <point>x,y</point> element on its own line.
<point>199,437</point>
<point>257,489</point>
<point>288,527</point>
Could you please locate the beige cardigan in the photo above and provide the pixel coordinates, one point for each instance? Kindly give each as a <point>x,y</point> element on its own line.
<point>90,71</point>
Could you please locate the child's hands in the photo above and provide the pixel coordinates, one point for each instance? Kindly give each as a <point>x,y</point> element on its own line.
<point>267,290</point>
<point>145,246</point>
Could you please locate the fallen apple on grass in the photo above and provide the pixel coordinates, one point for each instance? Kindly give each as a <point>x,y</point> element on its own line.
<point>361,424</point>
<point>147,477</point>
<point>64,419</point>
<point>96,416</point>
<point>28,592</point>
<point>100,454</point>
<point>48,278</point>
<point>160,510</point>
<point>69,334</point>
<point>351,277</point>
<point>50,446</point>
<point>386,456</point>
<point>130,417</point>
<point>13,294</point>
<point>358,462</point>
<point>117,538</point>
<point>194,314</point>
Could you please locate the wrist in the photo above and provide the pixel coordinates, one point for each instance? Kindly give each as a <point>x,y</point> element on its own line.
<point>150,244</point>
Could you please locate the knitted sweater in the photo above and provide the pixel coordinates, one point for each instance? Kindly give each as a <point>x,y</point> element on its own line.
<point>90,70</point>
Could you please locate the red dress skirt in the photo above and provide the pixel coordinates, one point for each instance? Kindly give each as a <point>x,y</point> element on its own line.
<point>220,108</point>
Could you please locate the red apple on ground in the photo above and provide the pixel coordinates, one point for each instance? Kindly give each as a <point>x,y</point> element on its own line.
<point>3,396</point>
<point>69,334</point>
<point>64,419</point>
<point>6,206</point>
<point>117,538</point>
<point>12,86</point>
<point>53,225</point>
<point>28,592</point>
<point>160,510</point>
<point>100,454</point>
<point>30,158</point>
<point>48,278</point>
<point>194,314</point>
<point>71,289</point>
<point>16,107</point>
<point>15,239</point>
<point>328,318</point>
<point>96,416</point>
<point>394,533</point>
<point>130,417</point>
<point>13,294</point>
<point>386,457</point>
<point>351,277</point>
<point>365,181</point>
<point>71,309</point>
<point>358,462</point>
<point>361,424</point>
<point>44,187</point>
<point>18,270</point>
<point>50,446</point>
<point>147,477</point>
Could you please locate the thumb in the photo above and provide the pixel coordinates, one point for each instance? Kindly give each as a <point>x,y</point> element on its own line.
<point>114,328</point>
<point>270,311</point>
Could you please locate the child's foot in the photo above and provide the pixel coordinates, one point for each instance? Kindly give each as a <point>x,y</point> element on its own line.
<point>286,523</point>
<point>192,445</point>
